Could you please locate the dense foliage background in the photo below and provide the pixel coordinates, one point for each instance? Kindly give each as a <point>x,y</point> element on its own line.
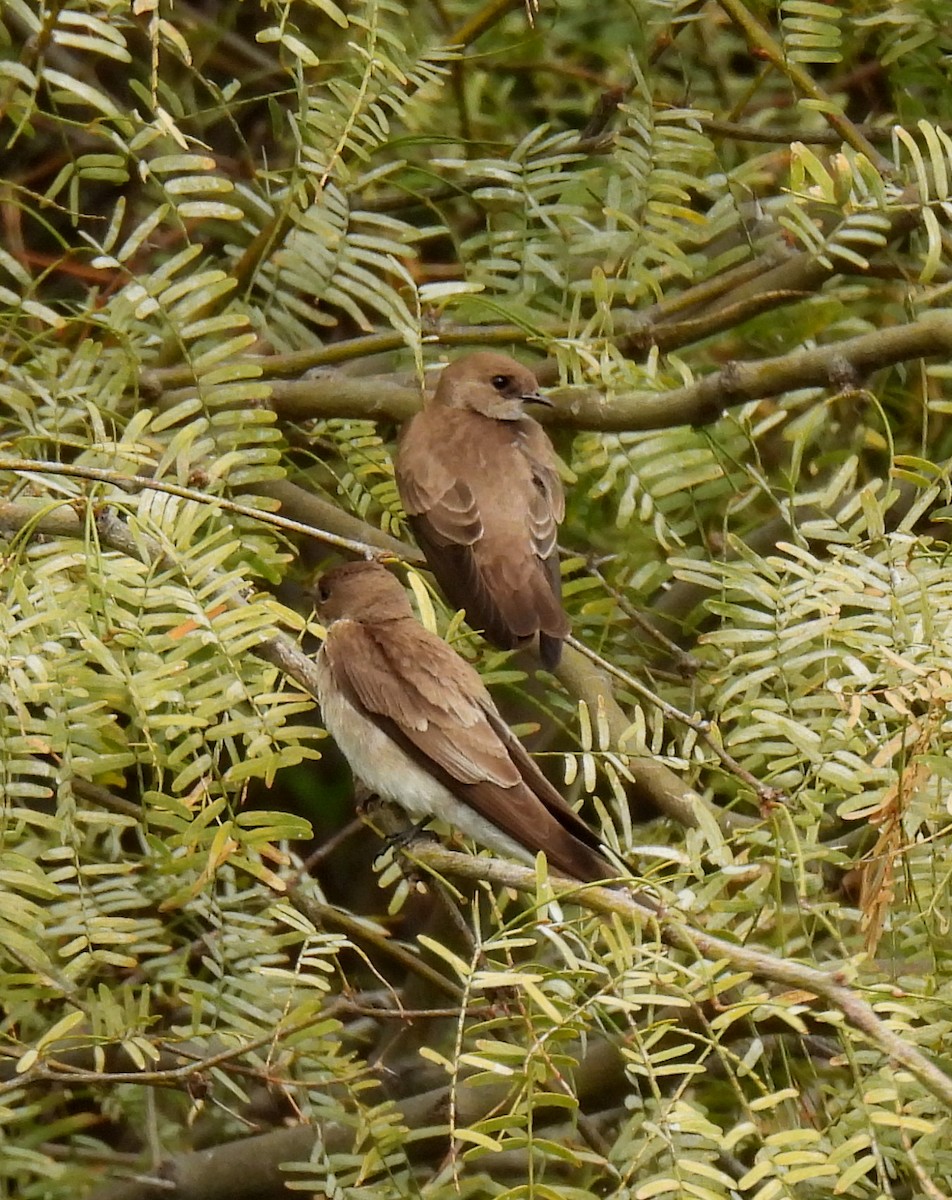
<point>233,236</point>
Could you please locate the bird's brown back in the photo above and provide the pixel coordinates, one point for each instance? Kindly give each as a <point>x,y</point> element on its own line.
<point>484,500</point>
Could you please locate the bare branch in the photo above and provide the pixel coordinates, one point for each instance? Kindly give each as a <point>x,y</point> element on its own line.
<point>699,403</point>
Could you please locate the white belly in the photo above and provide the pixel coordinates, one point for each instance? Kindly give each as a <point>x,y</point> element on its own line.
<point>380,764</point>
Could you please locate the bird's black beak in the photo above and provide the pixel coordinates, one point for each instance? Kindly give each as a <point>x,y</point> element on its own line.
<point>536,398</point>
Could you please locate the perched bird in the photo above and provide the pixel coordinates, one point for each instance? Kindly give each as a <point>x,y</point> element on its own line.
<point>419,728</point>
<point>480,484</point>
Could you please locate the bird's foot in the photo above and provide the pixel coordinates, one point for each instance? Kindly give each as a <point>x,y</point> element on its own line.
<point>401,838</point>
<point>396,842</point>
<point>366,801</point>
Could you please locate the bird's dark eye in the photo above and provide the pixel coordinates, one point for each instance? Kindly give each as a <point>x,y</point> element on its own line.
<point>500,382</point>
<point>322,592</point>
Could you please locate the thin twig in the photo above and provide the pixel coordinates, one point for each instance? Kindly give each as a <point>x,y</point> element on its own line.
<point>760,40</point>
<point>135,483</point>
<point>684,663</point>
<point>360,930</point>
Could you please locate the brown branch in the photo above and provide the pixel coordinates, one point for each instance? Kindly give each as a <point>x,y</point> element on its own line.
<point>250,1168</point>
<point>784,136</point>
<point>701,726</point>
<point>638,331</point>
<point>305,508</point>
<point>62,518</point>
<point>282,366</point>
<point>482,20</point>
<point>674,335</point>
<point>748,289</point>
<point>646,326</point>
<point>361,930</point>
<point>699,403</point>
<point>655,784</point>
<point>96,794</point>
<point>759,39</point>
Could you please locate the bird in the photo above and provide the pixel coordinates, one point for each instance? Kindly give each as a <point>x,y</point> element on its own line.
<point>419,728</point>
<point>479,481</point>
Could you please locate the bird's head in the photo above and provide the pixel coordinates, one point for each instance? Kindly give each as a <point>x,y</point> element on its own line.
<point>492,384</point>
<point>360,591</point>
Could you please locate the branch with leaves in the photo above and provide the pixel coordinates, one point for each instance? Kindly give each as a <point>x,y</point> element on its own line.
<point>758,427</point>
<point>838,366</point>
<point>653,780</point>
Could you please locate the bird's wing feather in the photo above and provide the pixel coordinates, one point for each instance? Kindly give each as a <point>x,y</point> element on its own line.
<point>413,681</point>
<point>553,800</point>
<point>547,507</point>
<point>442,502</point>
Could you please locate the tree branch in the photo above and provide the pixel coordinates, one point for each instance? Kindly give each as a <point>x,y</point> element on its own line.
<point>835,365</point>
<point>305,508</point>
<point>137,483</point>
<point>757,286</point>
<point>701,726</point>
<point>655,784</point>
<point>784,135</point>
<point>677,933</point>
<point>250,1168</point>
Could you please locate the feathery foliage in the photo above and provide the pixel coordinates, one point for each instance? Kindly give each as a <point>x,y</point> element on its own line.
<point>197,206</point>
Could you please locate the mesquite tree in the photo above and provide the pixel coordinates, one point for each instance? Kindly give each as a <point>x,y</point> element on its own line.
<point>235,238</point>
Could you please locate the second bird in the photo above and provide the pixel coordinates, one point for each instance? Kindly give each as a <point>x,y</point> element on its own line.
<point>480,483</point>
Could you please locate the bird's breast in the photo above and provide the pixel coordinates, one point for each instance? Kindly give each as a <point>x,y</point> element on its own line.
<point>375,758</point>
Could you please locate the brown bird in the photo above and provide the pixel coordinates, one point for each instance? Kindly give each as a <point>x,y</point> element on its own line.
<point>419,728</point>
<point>480,483</point>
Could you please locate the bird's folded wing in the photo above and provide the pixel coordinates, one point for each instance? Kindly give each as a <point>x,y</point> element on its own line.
<point>448,525</point>
<point>457,570</point>
<point>432,493</point>
<point>414,686</point>
<point>547,508</point>
<point>543,527</point>
<point>550,797</point>
<point>524,570</point>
